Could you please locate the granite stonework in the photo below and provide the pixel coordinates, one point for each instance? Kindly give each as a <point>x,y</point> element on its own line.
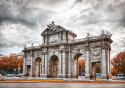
<point>55,56</point>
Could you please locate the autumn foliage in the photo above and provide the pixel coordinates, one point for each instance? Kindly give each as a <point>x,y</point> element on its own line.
<point>81,61</point>
<point>81,64</point>
<point>98,67</point>
<point>118,63</point>
<point>10,63</point>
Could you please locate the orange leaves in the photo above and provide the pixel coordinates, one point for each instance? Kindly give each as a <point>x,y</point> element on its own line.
<point>118,63</point>
<point>10,63</point>
<point>81,61</point>
<point>98,67</point>
<point>20,61</point>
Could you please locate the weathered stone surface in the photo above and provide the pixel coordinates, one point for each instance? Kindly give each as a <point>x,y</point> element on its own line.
<point>61,43</point>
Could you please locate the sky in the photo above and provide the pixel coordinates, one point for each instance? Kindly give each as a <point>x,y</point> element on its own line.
<point>22,21</point>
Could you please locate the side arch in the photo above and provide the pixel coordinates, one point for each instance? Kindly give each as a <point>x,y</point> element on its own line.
<point>54,66</point>
<point>78,64</point>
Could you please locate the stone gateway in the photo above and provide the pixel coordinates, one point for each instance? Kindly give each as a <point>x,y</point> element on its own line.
<point>57,56</point>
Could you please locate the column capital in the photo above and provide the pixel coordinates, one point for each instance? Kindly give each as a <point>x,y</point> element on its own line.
<point>105,46</point>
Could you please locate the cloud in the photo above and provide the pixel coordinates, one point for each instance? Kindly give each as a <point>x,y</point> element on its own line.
<point>22,21</point>
<point>77,1</point>
<point>16,11</point>
<point>17,35</point>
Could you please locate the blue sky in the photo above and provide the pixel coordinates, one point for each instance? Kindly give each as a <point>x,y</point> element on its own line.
<point>22,21</point>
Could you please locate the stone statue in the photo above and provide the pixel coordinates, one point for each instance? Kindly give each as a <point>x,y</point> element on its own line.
<point>25,46</point>
<point>88,35</point>
<point>52,26</point>
<point>32,45</point>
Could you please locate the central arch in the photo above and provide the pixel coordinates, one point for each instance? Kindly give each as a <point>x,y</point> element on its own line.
<point>78,65</point>
<point>38,67</point>
<point>54,62</point>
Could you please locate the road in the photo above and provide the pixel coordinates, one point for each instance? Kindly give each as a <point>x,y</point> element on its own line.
<point>62,85</point>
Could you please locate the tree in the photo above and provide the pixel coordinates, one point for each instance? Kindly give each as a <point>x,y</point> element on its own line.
<point>20,63</point>
<point>81,61</point>
<point>10,63</point>
<point>98,67</point>
<point>118,63</point>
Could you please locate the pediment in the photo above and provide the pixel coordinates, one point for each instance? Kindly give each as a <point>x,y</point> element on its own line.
<point>52,29</point>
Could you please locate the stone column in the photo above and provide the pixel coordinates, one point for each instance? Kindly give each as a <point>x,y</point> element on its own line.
<point>60,65</point>
<point>104,64</point>
<point>43,65</point>
<point>49,63</point>
<point>69,65</point>
<point>72,65</point>
<point>87,65</point>
<point>77,68</point>
<point>109,63</point>
<point>40,67</point>
<point>63,65</point>
<point>32,67</point>
<point>46,59</point>
<point>32,64</point>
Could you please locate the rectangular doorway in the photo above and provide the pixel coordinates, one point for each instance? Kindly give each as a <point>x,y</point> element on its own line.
<point>96,70</point>
<point>28,70</point>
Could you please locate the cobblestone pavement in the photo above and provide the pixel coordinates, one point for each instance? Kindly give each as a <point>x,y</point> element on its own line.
<point>62,85</point>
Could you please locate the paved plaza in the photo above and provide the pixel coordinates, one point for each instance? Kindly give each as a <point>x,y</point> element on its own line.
<point>62,85</point>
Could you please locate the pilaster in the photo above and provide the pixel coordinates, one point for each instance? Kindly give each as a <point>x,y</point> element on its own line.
<point>104,63</point>
<point>109,64</point>
<point>64,64</point>
<point>43,66</point>
<point>32,64</point>
<point>87,64</point>
<point>69,65</point>
<point>46,59</point>
<point>40,67</point>
<point>60,65</point>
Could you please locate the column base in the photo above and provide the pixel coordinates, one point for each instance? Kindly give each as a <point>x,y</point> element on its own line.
<point>104,76</point>
<point>59,75</point>
<point>43,75</point>
<point>110,76</point>
<point>87,76</point>
<point>31,75</point>
<point>63,75</point>
<point>24,74</point>
<point>69,75</point>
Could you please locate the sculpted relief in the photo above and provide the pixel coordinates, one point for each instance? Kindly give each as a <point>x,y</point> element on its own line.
<point>95,54</point>
<point>28,54</point>
<point>53,38</point>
